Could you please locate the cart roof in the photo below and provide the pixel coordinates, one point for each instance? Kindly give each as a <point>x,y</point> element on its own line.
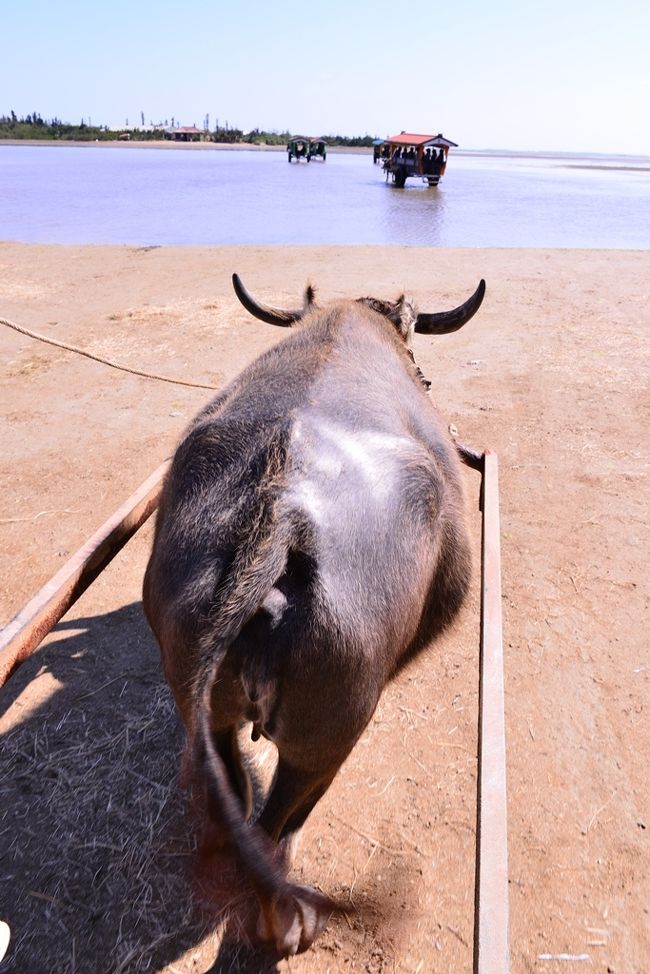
<point>410,138</point>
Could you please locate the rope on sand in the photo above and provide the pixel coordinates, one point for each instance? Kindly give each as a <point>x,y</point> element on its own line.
<point>103,361</point>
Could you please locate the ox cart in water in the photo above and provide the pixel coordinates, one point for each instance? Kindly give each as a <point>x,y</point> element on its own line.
<point>298,148</point>
<point>307,148</point>
<point>378,146</point>
<point>408,155</point>
<point>318,149</point>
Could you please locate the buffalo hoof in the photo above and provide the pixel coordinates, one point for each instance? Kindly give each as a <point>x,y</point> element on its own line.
<point>294,918</point>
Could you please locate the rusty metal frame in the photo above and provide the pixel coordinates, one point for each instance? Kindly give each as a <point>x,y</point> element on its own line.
<point>20,638</point>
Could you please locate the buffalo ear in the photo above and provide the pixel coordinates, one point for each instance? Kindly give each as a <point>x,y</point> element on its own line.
<point>404,316</point>
<point>445,322</point>
<point>309,298</point>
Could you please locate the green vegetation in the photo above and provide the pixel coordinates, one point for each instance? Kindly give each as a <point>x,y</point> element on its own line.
<point>281,138</point>
<point>35,127</point>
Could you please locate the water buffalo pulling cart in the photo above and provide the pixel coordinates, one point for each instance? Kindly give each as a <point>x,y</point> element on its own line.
<point>298,148</point>
<point>22,636</point>
<point>307,148</point>
<point>318,149</point>
<point>407,155</point>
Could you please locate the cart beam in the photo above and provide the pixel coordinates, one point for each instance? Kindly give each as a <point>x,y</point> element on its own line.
<point>22,636</point>
<point>491,916</point>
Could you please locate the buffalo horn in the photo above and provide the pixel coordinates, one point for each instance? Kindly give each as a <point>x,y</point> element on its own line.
<point>274,316</point>
<point>447,321</point>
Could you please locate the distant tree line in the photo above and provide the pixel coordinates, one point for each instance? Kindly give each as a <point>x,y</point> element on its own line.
<point>35,127</point>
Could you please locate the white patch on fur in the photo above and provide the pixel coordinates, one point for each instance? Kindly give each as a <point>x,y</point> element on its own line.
<point>332,450</point>
<point>367,452</point>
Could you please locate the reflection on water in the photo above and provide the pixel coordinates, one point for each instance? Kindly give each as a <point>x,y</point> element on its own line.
<point>66,194</point>
<point>416,216</point>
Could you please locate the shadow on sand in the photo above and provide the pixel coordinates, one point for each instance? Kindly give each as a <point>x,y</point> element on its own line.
<point>97,844</point>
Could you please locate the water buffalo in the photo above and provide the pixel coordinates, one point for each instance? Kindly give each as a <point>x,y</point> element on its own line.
<point>310,541</point>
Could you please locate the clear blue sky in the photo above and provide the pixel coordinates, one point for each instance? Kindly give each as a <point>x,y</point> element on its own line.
<point>568,75</point>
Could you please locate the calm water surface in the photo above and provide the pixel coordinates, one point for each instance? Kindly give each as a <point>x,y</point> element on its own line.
<point>81,195</point>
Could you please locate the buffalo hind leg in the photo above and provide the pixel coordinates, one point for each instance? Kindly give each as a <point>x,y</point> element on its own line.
<point>293,796</point>
<point>293,918</point>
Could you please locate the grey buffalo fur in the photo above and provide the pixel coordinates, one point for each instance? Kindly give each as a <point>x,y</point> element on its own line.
<point>310,541</point>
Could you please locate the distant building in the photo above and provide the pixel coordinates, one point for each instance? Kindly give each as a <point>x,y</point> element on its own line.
<point>185,133</point>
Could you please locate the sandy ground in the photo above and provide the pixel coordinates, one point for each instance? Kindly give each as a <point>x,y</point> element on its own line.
<point>95,842</point>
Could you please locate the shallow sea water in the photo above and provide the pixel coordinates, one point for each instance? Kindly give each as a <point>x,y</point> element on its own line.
<point>145,197</point>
